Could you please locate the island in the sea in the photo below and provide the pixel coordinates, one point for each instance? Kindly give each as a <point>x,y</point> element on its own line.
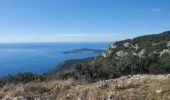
<point>84,50</point>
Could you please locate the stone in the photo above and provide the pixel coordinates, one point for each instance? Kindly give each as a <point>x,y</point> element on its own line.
<point>78,98</point>
<point>68,95</point>
<point>6,97</point>
<point>158,91</point>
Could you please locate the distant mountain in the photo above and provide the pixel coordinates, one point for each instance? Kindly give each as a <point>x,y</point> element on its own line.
<point>84,50</point>
<point>142,46</point>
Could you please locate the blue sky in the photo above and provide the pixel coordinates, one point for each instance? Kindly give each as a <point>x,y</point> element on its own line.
<point>81,20</point>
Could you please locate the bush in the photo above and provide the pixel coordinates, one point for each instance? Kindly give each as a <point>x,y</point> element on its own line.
<point>21,78</point>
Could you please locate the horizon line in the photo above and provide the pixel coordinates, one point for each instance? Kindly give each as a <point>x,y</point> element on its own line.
<point>61,42</point>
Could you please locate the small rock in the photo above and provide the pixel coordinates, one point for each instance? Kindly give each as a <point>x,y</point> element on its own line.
<point>158,91</point>
<point>68,95</point>
<point>77,88</point>
<point>6,97</point>
<point>19,98</point>
<point>78,98</point>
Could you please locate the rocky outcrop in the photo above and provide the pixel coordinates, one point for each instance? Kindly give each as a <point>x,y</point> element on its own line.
<point>140,54</point>
<point>164,52</point>
<point>135,46</point>
<point>121,53</point>
<point>168,44</point>
<point>112,46</point>
<point>108,50</point>
<point>104,54</point>
<point>126,44</point>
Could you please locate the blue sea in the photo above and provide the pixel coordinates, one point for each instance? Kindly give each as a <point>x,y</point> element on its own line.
<point>40,57</point>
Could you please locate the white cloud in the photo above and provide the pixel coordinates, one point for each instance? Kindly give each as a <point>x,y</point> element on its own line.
<point>97,37</point>
<point>157,10</point>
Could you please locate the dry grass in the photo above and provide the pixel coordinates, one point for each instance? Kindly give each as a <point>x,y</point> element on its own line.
<point>137,87</point>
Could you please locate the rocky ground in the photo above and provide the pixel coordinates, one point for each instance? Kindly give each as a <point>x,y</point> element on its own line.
<point>136,87</point>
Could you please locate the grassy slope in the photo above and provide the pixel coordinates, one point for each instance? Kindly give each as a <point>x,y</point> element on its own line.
<point>134,87</point>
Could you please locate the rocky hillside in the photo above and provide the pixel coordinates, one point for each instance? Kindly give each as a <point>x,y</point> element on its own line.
<point>136,87</point>
<point>140,46</point>
<point>148,54</point>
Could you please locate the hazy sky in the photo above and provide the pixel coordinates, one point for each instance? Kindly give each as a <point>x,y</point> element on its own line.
<point>81,20</point>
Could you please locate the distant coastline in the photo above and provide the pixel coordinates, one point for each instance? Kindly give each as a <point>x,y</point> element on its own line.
<point>42,57</point>
<point>84,50</point>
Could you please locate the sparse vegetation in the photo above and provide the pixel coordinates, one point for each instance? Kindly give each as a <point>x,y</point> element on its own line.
<point>22,78</point>
<point>136,87</point>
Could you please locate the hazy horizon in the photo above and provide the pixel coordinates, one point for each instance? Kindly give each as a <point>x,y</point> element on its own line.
<point>71,40</point>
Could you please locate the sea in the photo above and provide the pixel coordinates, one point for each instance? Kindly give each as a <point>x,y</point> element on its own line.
<point>40,57</point>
